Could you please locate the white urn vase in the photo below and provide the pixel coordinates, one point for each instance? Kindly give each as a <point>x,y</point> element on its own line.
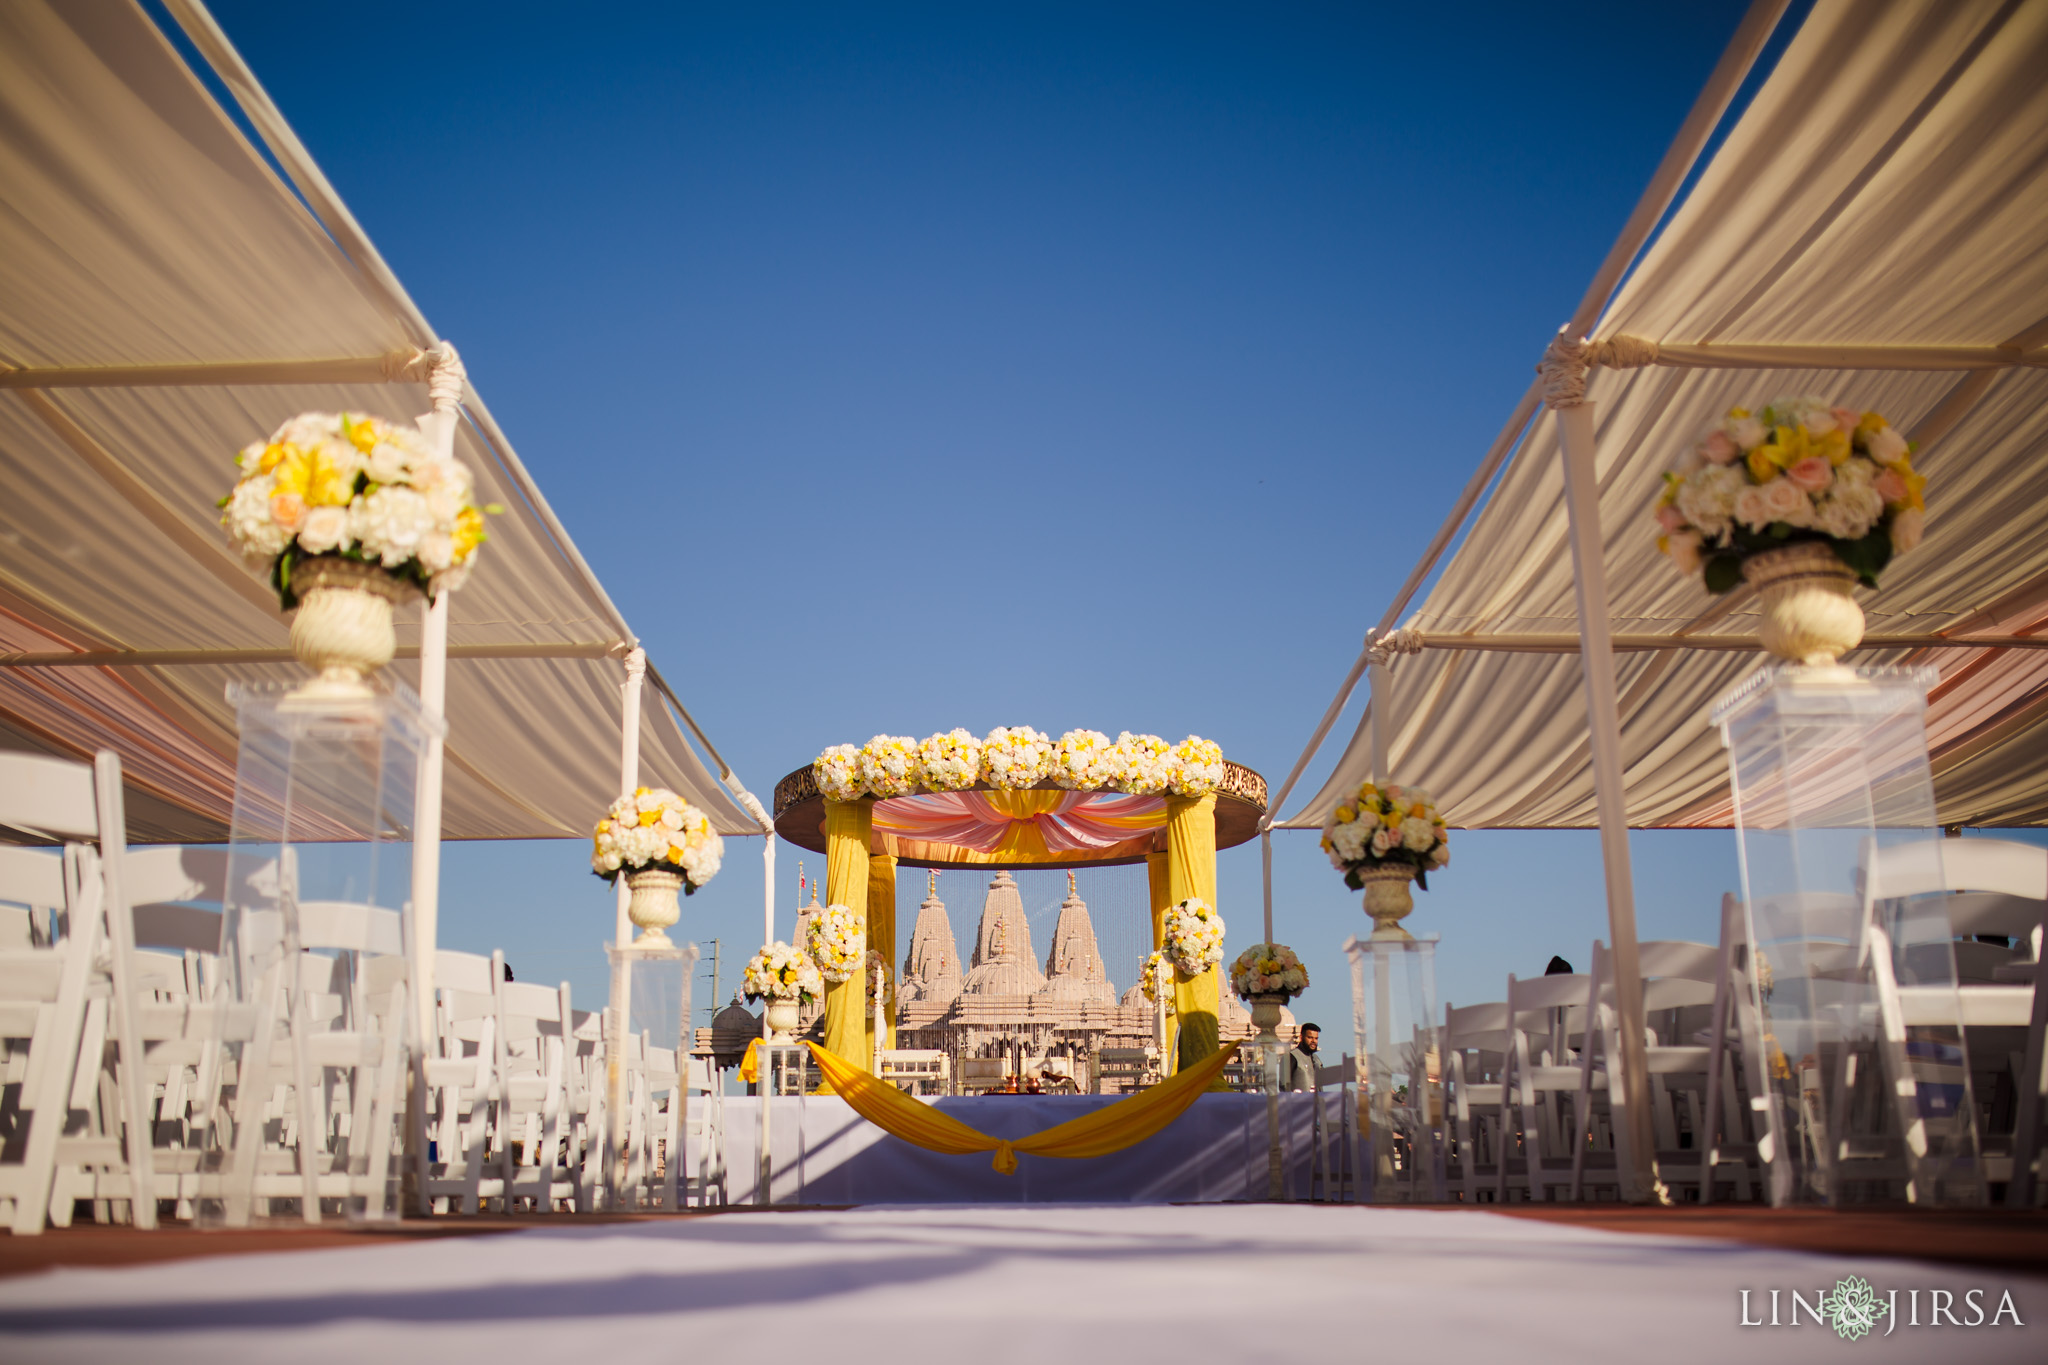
<point>1266,1015</point>
<point>1810,614</point>
<point>1388,898</point>
<point>782,1017</point>
<point>342,629</point>
<point>653,906</point>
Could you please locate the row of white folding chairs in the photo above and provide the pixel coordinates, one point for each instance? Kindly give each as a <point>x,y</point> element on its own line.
<point>518,1091</point>
<point>1528,1111</point>
<point>209,1118</point>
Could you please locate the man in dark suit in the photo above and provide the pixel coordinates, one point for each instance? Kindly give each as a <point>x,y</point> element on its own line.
<point>1298,1064</point>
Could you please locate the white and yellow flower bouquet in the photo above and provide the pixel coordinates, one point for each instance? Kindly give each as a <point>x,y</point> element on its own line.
<point>1383,826</point>
<point>837,942</point>
<point>1140,765</point>
<point>780,972</point>
<point>1156,975</point>
<point>1194,936</point>
<point>1195,767</point>
<point>1015,757</point>
<point>356,488</point>
<point>951,761</point>
<point>838,773</point>
<point>1083,761</point>
<point>1797,470</point>
<point>656,828</point>
<point>889,766</point>
<point>1268,969</point>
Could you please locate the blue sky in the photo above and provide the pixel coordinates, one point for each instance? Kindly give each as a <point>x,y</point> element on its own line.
<point>902,367</point>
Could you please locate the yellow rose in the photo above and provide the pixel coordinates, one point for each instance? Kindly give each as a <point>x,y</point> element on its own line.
<point>648,817</point>
<point>272,453</point>
<point>469,531</point>
<point>1834,445</point>
<point>1871,424</point>
<point>1391,819</point>
<point>362,435</point>
<point>1737,414</point>
<point>675,855</point>
<point>1762,461</point>
<point>1345,815</point>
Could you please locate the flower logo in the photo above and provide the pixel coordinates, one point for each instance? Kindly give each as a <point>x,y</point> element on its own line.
<point>1853,1309</point>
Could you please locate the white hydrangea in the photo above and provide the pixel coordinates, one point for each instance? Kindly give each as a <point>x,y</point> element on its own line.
<point>249,521</point>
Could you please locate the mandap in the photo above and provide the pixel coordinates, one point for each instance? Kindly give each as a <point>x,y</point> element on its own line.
<point>1042,825</point>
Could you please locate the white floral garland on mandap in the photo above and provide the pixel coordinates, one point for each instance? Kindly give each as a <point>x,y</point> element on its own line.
<point>837,942</point>
<point>1013,758</point>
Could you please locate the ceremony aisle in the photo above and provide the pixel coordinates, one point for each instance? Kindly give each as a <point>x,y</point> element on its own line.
<point>1036,1283</point>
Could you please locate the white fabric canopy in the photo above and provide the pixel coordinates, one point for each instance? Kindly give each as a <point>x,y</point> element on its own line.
<point>1873,230</point>
<point>157,282</point>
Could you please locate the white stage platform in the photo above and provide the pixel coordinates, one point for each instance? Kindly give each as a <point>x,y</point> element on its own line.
<point>1215,1151</point>
<point>1043,1285</point>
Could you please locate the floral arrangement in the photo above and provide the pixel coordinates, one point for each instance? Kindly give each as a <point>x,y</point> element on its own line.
<point>1081,760</point>
<point>1194,936</point>
<point>1154,974</point>
<point>889,765</point>
<point>656,828</point>
<point>1016,757</point>
<point>1196,768</point>
<point>1268,969</point>
<point>1798,470</point>
<point>838,771</point>
<point>1012,758</point>
<point>1140,764</point>
<point>780,972</point>
<point>359,488</point>
<point>877,969</point>
<point>951,761</point>
<point>837,942</point>
<point>1386,825</point>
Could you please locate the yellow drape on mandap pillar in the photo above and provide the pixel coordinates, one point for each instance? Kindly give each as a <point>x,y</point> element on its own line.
<point>1191,871</point>
<point>1155,884</point>
<point>882,935</point>
<point>849,827</point>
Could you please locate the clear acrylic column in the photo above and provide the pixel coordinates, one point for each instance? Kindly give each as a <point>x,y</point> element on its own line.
<point>313,1001</point>
<point>650,1085</point>
<point>1852,1036</point>
<point>1400,1090</point>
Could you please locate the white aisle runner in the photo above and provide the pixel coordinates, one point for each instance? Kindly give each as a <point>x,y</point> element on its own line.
<point>1049,1285</point>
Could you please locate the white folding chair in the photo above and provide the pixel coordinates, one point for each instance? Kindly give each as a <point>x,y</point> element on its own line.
<point>1543,1013</point>
<point>1475,1110</point>
<point>92,1015</point>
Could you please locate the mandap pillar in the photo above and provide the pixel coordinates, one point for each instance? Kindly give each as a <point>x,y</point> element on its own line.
<point>849,829</point>
<point>882,936</point>
<point>1191,872</point>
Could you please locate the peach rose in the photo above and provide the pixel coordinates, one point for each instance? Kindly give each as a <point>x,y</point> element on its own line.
<point>287,510</point>
<point>1719,447</point>
<point>1670,518</point>
<point>1845,418</point>
<point>1814,473</point>
<point>1890,485</point>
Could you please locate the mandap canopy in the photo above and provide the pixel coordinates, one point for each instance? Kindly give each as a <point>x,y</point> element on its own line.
<point>1045,826</point>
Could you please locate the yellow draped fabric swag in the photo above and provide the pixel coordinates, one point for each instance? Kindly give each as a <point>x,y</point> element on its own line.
<point>1191,871</point>
<point>849,826</point>
<point>1155,885</point>
<point>1112,1128</point>
<point>882,938</point>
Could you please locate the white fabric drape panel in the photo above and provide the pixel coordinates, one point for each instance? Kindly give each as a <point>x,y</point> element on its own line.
<point>1887,186</point>
<point>139,227</point>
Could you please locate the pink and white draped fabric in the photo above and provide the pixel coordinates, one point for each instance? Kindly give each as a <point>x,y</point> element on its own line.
<point>1076,821</point>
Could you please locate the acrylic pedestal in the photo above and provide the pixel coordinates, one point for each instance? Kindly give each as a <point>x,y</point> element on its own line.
<point>1400,1079</point>
<point>647,1062</point>
<point>1853,1043</point>
<point>312,1019</point>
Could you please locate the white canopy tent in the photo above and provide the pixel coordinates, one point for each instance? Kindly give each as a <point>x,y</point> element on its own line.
<point>164,299</point>
<point>1875,229</point>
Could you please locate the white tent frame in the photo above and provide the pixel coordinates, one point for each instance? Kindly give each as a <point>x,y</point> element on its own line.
<point>1560,386</point>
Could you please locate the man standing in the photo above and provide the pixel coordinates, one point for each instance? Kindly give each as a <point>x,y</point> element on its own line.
<point>1298,1066</point>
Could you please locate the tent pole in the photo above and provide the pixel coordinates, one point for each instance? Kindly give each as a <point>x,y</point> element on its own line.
<point>1266,872</point>
<point>1633,1141</point>
<point>1379,695</point>
<point>629,771</point>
